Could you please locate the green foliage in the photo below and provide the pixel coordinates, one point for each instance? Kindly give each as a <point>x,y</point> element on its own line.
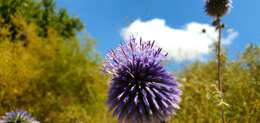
<point>56,80</point>
<point>44,69</point>
<point>42,13</point>
<point>201,102</point>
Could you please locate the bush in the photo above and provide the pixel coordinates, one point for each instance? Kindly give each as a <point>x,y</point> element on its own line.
<point>200,100</point>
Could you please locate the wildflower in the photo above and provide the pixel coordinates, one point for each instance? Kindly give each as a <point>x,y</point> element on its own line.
<point>217,8</point>
<point>141,89</point>
<point>18,116</point>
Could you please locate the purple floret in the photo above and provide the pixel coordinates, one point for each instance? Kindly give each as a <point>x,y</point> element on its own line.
<point>18,116</point>
<point>141,90</point>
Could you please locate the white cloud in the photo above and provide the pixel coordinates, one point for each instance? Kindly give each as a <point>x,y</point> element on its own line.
<point>187,43</point>
<point>231,35</point>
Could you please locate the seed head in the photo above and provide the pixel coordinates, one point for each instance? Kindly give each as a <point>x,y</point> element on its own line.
<point>217,8</point>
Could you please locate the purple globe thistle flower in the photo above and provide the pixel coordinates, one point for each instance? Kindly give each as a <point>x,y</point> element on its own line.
<point>141,89</point>
<point>18,116</point>
<point>217,8</point>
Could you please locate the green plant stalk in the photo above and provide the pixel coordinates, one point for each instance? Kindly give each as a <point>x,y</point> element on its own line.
<point>219,64</point>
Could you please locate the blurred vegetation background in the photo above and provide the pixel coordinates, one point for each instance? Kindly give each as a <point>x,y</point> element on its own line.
<point>201,100</point>
<point>46,70</point>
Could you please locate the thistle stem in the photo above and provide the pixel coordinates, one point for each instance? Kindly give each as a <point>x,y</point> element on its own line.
<point>219,64</point>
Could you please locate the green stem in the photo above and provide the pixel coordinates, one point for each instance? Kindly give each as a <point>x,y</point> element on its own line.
<point>220,83</point>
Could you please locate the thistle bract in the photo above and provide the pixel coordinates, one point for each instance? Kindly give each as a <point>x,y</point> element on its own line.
<point>141,89</point>
<point>217,8</point>
<point>18,116</point>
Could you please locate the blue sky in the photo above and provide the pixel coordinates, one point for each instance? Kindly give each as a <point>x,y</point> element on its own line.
<point>104,19</point>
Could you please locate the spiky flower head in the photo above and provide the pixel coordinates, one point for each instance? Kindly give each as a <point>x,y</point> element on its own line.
<point>217,8</point>
<point>18,116</point>
<point>141,90</point>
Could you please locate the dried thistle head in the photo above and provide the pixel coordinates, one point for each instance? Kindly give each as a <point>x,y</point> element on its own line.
<point>217,8</point>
